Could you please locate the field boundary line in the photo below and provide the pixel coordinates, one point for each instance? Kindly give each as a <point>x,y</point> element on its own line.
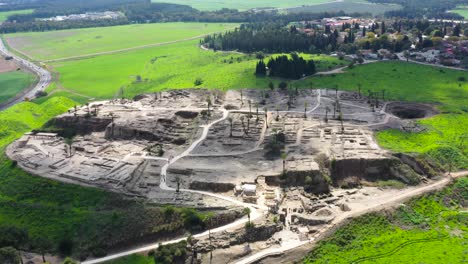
<point>91,55</point>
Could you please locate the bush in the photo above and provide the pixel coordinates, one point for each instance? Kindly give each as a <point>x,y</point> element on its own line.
<point>198,82</point>
<point>41,94</point>
<point>283,85</point>
<point>9,255</point>
<point>172,253</point>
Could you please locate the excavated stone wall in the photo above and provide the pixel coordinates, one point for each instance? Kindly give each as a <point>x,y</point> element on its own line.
<point>373,170</point>
<point>80,124</point>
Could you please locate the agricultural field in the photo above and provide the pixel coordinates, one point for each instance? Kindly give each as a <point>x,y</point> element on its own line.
<point>77,42</point>
<point>434,226</point>
<point>12,83</point>
<point>349,6</point>
<point>169,66</point>
<point>241,5</point>
<point>461,10</point>
<point>6,14</point>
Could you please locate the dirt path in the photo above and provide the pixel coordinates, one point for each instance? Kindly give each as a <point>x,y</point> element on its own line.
<point>376,205</point>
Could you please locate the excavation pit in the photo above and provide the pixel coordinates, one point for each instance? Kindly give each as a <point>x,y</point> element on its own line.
<point>411,110</point>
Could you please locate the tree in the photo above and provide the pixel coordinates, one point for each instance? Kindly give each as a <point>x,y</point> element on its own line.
<point>247,211</point>
<point>327,109</point>
<point>256,107</point>
<point>305,109</point>
<point>198,81</point>
<point>260,69</point>
<point>69,143</point>
<point>208,104</point>
<point>9,255</point>
<point>43,245</point>
<point>271,85</point>
<point>242,118</point>
<point>178,180</point>
<point>284,156</point>
<point>457,31</point>
<point>230,126</point>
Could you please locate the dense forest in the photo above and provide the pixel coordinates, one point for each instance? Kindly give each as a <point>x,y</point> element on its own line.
<point>271,38</point>
<point>284,67</point>
<point>423,9</point>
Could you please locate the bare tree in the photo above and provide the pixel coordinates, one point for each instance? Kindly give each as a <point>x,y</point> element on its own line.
<point>305,109</point>
<point>327,109</point>
<point>230,125</point>
<point>284,156</point>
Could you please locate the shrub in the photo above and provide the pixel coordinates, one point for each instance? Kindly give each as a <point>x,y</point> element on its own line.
<point>198,81</point>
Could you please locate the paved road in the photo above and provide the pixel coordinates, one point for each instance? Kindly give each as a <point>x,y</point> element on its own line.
<point>44,77</point>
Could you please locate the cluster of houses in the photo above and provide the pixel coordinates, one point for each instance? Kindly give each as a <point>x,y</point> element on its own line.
<point>448,53</point>
<point>88,16</point>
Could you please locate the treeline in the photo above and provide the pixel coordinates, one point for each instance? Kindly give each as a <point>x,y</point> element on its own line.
<point>421,9</point>
<point>142,11</point>
<point>271,38</point>
<point>282,66</point>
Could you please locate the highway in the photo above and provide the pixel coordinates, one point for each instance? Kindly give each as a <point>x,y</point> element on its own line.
<point>45,77</point>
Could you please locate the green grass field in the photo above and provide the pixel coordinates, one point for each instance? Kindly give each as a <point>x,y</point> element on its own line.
<point>133,259</point>
<point>443,139</point>
<point>349,6</point>
<point>170,66</point>
<point>402,81</point>
<point>11,83</point>
<point>241,4</point>
<point>6,14</point>
<point>75,42</point>
<point>430,229</point>
<point>461,10</point>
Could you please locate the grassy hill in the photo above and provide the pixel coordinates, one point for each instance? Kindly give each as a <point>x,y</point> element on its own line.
<point>170,66</point>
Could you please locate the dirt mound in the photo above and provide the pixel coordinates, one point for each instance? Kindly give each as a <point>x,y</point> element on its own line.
<point>411,110</point>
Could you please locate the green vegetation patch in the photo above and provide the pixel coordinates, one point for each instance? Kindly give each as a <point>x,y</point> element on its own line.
<point>11,83</point>
<point>443,140</point>
<point>434,226</point>
<point>402,82</point>
<point>133,259</point>
<point>26,116</point>
<point>75,42</point>
<point>172,66</point>
<point>4,15</point>
<point>349,6</point>
<point>462,11</point>
<point>241,4</point>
